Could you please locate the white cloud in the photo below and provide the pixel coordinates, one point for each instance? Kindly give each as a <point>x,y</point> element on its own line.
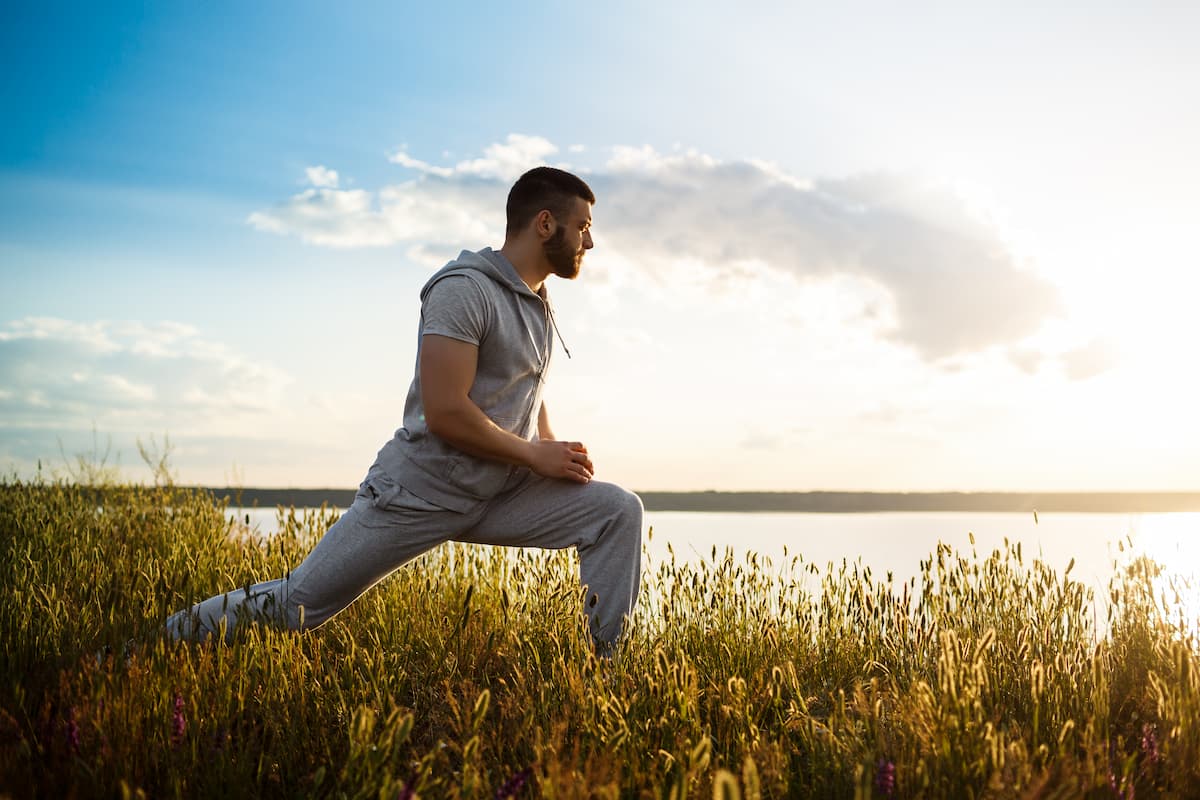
<point>686,218</point>
<point>1094,358</point>
<point>332,217</point>
<point>322,177</point>
<point>444,209</point>
<point>93,338</point>
<point>505,161</point>
<point>757,440</point>
<point>1026,359</point>
<point>403,159</point>
<point>65,379</point>
<point>64,373</point>
<point>645,159</point>
<point>433,212</point>
<point>954,286</point>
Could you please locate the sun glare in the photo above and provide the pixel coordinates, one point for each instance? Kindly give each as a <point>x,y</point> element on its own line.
<point>1173,542</point>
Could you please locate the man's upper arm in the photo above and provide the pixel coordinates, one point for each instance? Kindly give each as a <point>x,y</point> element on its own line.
<point>447,372</point>
<point>454,320</point>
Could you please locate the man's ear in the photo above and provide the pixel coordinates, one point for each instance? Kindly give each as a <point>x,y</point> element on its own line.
<point>545,223</point>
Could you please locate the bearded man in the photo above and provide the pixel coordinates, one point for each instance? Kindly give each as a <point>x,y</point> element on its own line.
<point>476,459</point>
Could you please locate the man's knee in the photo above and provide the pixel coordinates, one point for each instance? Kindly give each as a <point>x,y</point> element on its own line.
<point>624,512</point>
<point>633,506</point>
<point>622,504</point>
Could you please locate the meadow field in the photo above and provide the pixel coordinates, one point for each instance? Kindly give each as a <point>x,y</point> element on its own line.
<point>469,673</point>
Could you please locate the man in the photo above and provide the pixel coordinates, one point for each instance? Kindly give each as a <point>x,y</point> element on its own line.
<point>476,460</point>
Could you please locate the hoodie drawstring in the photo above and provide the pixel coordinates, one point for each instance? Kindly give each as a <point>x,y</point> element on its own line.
<point>556,330</point>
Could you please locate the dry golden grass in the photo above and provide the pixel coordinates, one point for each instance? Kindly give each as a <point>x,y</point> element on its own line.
<point>468,673</point>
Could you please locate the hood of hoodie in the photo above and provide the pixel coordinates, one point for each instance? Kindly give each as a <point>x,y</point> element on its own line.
<point>491,263</point>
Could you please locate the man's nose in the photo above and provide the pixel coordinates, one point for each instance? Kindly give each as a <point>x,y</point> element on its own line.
<point>587,240</point>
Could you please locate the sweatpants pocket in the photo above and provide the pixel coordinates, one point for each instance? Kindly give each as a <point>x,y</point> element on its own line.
<point>381,490</point>
<point>387,495</point>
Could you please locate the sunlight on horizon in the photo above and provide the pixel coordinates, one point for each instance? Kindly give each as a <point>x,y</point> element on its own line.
<point>1173,542</point>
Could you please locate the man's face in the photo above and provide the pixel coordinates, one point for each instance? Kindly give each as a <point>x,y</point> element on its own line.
<point>570,240</point>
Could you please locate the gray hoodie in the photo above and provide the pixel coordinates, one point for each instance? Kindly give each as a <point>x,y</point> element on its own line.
<point>515,349</point>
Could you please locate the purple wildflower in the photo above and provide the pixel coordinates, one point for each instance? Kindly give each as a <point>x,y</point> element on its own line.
<point>71,729</point>
<point>513,786</point>
<point>885,777</point>
<point>1150,743</point>
<point>407,793</point>
<point>178,722</point>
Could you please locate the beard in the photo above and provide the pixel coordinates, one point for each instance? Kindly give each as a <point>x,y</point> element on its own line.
<point>562,257</point>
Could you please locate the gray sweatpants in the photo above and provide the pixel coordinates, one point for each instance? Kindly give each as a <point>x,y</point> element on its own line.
<point>387,526</point>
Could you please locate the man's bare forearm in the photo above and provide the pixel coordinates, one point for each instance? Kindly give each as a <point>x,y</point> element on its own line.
<point>544,431</point>
<point>467,428</point>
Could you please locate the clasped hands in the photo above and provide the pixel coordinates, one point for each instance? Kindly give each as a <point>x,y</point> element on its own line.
<point>565,460</point>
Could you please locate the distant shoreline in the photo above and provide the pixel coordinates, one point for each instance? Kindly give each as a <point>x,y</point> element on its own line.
<point>811,502</point>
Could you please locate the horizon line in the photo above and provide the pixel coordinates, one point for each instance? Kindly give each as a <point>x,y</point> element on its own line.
<point>816,501</point>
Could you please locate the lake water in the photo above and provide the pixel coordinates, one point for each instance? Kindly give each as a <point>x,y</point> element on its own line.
<point>898,542</point>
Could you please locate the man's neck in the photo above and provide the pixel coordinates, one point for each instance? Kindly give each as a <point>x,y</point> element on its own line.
<point>529,264</point>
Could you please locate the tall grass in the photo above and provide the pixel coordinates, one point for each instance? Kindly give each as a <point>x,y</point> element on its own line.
<point>469,673</point>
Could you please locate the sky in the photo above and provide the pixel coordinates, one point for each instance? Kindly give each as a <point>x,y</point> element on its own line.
<point>864,246</point>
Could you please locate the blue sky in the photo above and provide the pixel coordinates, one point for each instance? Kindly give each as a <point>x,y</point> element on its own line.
<point>943,246</point>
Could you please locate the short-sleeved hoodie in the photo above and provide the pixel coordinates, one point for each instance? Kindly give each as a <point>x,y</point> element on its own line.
<point>513,327</point>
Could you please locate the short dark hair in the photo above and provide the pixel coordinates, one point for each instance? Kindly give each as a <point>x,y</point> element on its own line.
<point>544,188</point>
